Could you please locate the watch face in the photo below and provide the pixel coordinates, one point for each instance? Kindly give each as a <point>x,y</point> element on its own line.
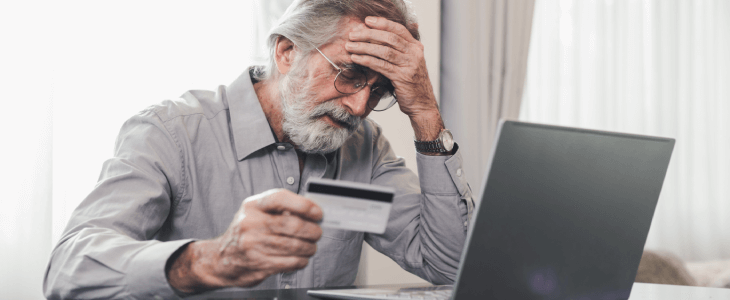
<point>447,139</point>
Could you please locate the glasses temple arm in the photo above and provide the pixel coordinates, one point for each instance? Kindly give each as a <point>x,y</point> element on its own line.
<point>325,57</point>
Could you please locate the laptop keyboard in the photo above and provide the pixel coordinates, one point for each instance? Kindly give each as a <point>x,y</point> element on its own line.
<point>437,292</point>
<point>425,293</point>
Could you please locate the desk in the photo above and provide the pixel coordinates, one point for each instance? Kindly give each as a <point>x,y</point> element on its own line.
<point>641,291</point>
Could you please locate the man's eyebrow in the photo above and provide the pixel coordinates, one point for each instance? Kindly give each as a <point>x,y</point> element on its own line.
<point>382,80</point>
<point>354,66</point>
<point>351,65</point>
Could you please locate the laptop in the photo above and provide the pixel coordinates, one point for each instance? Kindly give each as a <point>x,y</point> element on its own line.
<point>564,214</point>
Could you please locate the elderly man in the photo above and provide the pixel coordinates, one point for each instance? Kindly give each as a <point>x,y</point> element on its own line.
<point>203,191</point>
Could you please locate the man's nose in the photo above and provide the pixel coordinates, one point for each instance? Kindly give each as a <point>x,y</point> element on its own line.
<point>356,104</point>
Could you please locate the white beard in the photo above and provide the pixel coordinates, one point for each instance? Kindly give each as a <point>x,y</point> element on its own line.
<point>303,125</point>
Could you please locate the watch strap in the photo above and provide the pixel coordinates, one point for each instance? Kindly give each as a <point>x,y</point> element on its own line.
<point>430,146</point>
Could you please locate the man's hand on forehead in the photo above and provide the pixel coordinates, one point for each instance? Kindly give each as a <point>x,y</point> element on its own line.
<point>389,49</point>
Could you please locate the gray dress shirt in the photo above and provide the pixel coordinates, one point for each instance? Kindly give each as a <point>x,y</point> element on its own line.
<point>182,168</point>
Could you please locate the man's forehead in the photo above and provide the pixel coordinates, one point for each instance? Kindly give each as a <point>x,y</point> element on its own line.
<point>337,43</point>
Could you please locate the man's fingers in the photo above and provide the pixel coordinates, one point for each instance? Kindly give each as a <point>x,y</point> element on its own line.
<point>266,264</point>
<point>287,246</point>
<point>282,200</point>
<point>382,52</point>
<point>388,25</point>
<point>289,263</point>
<point>376,64</point>
<point>294,226</point>
<point>385,38</point>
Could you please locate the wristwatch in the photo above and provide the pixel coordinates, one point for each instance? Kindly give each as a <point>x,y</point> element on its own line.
<point>443,143</point>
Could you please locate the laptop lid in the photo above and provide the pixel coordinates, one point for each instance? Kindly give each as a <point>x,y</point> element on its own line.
<point>564,214</point>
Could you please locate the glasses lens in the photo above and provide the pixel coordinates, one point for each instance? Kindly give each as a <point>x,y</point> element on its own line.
<point>382,98</point>
<point>384,103</point>
<point>350,81</point>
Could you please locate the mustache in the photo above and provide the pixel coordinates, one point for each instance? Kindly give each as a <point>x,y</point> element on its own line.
<point>337,113</point>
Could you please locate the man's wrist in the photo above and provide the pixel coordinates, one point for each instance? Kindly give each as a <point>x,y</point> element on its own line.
<point>181,272</point>
<point>427,126</point>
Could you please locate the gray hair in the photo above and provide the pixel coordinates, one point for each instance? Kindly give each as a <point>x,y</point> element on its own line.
<point>313,23</point>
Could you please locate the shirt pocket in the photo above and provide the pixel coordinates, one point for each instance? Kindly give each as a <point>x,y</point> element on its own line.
<point>337,257</point>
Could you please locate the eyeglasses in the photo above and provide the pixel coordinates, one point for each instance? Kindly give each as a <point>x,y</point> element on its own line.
<point>351,80</point>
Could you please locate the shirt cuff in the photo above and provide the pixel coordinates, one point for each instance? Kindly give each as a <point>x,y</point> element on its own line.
<point>441,175</point>
<point>146,276</point>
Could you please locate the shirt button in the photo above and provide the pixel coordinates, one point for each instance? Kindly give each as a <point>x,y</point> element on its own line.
<point>282,148</point>
<point>287,287</point>
<point>466,223</point>
<point>458,172</point>
<point>290,180</point>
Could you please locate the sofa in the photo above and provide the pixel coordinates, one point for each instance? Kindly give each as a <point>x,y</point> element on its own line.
<point>666,268</point>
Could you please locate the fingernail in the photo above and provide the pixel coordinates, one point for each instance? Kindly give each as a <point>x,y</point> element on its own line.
<point>350,45</point>
<point>354,34</point>
<point>370,20</point>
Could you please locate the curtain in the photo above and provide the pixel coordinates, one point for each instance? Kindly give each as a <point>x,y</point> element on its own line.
<point>654,67</point>
<point>71,73</point>
<point>483,63</point>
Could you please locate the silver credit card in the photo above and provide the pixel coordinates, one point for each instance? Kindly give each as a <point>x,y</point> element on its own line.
<point>351,205</point>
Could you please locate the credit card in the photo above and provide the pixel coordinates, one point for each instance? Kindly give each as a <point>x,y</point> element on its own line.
<point>351,205</point>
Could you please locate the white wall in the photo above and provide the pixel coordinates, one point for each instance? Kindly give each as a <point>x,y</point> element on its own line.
<point>376,268</point>
<point>25,150</point>
<point>113,59</point>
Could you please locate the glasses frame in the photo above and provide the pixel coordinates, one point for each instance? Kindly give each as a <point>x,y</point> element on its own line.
<point>358,89</point>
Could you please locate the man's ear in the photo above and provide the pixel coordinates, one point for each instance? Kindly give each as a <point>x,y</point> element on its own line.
<point>284,53</point>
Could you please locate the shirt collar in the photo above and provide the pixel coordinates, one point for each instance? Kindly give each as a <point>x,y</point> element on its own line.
<point>249,126</point>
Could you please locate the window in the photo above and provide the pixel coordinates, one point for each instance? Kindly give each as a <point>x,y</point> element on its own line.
<point>655,67</point>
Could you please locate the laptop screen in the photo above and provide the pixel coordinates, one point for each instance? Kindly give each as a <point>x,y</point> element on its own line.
<point>564,214</point>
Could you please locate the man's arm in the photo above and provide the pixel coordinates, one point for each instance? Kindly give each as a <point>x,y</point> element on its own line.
<point>106,250</point>
<point>430,214</point>
<point>427,229</point>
